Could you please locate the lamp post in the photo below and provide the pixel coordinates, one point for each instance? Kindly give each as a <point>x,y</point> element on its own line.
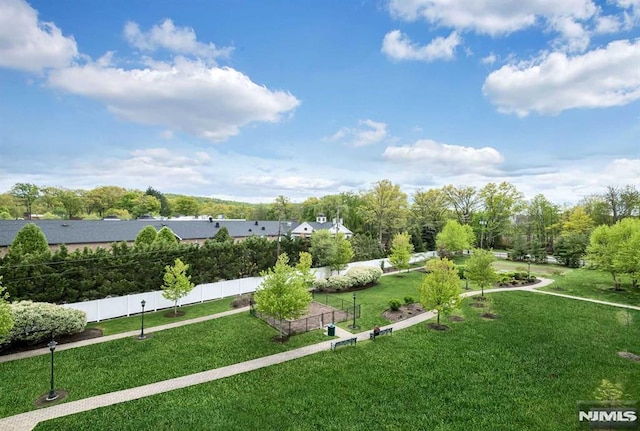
<point>52,393</point>
<point>354,326</point>
<point>142,336</point>
<point>482,225</point>
<point>528,256</point>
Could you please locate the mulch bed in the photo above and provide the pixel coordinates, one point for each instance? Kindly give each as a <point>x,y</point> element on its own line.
<point>437,327</point>
<point>24,347</point>
<point>404,312</point>
<point>42,401</point>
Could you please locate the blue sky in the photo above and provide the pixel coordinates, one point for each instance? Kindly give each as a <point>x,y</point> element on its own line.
<point>248,100</point>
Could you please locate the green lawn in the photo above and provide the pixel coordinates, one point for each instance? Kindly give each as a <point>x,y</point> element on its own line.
<point>523,371</point>
<point>374,300</point>
<point>594,284</point>
<point>125,324</point>
<point>126,363</point>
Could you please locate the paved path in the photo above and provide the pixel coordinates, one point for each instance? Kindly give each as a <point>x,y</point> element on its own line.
<point>28,420</point>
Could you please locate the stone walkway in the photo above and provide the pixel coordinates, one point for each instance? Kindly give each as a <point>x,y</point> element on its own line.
<point>28,420</point>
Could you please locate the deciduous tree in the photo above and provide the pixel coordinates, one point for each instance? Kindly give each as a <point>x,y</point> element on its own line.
<point>27,193</point>
<point>440,288</point>
<point>454,238</point>
<point>401,250</point>
<point>177,284</point>
<point>479,269</point>
<point>283,294</point>
<point>385,207</point>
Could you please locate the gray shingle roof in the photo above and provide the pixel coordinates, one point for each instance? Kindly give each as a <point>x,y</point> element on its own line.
<point>108,231</point>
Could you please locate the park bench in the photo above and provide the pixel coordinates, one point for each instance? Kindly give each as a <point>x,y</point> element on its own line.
<point>343,343</point>
<point>372,335</point>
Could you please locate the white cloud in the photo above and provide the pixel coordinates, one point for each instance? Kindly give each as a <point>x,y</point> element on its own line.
<point>398,46</point>
<point>444,158</point>
<point>489,59</point>
<point>368,132</point>
<point>573,35</point>
<point>297,183</point>
<point>179,40</point>
<point>607,24</point>
<point>209,102</point>
<point>494,17</point>
<point>600,78</point>
<point>28,44</point>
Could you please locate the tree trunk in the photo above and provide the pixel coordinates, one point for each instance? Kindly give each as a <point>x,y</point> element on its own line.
<point>175,308</point>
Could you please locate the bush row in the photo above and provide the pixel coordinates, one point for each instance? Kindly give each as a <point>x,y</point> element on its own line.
<point>354,277</point>
<point>37,321</point>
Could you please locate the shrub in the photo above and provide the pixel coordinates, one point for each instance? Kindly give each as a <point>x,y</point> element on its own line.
<point>395,304</point>
<point>363,275</point>
<point>38,321</point>
<point>320,284</point>
<point>408,300</point>
<point>340,282</point>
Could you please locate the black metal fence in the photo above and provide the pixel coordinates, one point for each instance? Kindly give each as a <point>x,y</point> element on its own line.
<point>309,323</point>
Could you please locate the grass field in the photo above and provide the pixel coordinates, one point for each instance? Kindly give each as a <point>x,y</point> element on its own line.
<point>126,363</point>
<point>523,371</point>
<point>156,318</point>
<point>589,283</point>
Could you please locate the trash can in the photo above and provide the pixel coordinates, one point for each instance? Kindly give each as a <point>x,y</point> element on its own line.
<point>331,330</point>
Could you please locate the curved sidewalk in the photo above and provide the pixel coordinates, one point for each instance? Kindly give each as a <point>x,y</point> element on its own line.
<point>28,420</point>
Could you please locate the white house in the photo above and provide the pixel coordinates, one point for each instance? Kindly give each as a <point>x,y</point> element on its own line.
<point>305,229</point>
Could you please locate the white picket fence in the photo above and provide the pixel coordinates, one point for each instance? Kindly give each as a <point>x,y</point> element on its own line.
<point>109,308</point>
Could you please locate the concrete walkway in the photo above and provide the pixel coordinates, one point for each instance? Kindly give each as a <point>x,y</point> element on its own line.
<point>28,420</point>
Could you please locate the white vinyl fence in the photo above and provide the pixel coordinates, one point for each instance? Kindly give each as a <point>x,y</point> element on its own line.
<point>109,308</point>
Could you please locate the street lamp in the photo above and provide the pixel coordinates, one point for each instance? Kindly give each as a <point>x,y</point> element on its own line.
<point>142,336</point>
<point>528,256</point>
<point>354,326</point>
<point>483,223</point>
<point>52,393</point>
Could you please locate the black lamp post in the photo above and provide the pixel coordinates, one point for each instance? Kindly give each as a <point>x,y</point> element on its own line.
<point>52,393</point>
<point>354,326</point>
<point>142,336</point>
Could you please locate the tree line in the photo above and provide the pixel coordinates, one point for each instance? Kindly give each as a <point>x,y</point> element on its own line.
<point>497,213</point>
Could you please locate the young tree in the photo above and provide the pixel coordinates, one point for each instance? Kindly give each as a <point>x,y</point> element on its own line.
<point>401,250</point>
<point>440,288</point>
<point>146,237</point>
<point>30,240</point>
<point>570,249</point>
<point>222,235</point>
<point>283,294</point>
<point>454,238</point>
<point>479,270</point>
<point>342,253</point>
<point>177,284</point>
<point>304,268</point>
<point>6,316</point>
